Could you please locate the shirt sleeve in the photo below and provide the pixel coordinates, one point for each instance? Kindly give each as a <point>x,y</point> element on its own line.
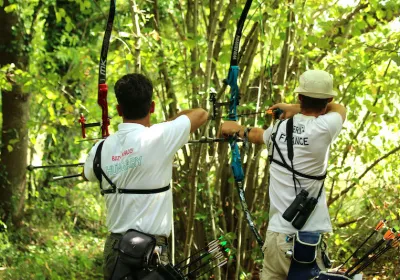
<point>88,168</point>
<point>333,122</point>
<point>267,134</point>
<point>176,134</point>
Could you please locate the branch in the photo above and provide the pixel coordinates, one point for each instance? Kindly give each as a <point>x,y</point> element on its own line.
<point>345,25</point>
<point>284,60</point>
<point>346,190</point>
<point>177,25</point>
<point>163,65</point>
<point>345,224</point>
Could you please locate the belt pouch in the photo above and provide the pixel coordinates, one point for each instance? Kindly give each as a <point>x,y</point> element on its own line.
<point>136,248</point>
<point>305,246</point>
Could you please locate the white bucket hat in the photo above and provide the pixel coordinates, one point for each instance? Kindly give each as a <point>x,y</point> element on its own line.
<point>316,84</point>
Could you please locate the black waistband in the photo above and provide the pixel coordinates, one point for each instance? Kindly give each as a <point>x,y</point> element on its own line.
<point>136,191</point>
<point>319,178</point>
<point>160,239</point>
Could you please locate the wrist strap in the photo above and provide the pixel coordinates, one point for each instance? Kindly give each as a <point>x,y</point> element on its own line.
<point>246,132</point>
<point>246,136</point>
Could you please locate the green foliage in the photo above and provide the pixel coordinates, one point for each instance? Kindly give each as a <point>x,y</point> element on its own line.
<point>63,230</point>
<point>57,255</point>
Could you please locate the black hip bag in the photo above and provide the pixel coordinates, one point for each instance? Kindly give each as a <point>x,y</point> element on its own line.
<point>136,248</point>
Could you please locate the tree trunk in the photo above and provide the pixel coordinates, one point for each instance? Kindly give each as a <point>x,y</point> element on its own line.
<point>14,134</point>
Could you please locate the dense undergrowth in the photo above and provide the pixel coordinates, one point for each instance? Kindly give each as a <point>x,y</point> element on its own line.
<point>62,238</point>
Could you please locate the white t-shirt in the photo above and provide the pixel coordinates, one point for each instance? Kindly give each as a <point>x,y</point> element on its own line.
<point>311,141</point>
<point>139,157</point>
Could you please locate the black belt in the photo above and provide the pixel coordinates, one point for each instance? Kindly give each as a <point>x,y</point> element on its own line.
<point>160,239</point>
<point>136,191</point>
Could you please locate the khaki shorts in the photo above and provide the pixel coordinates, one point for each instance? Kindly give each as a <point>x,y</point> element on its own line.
<point>276,264</point>
<point>110,254</point>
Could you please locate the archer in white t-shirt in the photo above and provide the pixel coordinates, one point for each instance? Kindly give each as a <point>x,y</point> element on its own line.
<point>139,156</point>
<point>316,123</point>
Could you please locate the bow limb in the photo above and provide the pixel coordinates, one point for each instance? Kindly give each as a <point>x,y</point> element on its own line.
<point>103,88</point>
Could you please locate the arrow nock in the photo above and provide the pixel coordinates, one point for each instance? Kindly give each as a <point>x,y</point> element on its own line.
<point>380,225</point>
<point>390,234</point>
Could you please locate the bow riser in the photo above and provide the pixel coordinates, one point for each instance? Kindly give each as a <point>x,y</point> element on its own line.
<point>102,101</point>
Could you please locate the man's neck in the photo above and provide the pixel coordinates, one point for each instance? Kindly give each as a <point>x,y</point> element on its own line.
<point>312,114</point>
<point>145,121</point>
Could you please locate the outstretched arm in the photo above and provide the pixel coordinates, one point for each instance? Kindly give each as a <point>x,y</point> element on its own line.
<point>197,117</point>
<point>334,107</point>
<point>289,110</point>
<point>255,135</point>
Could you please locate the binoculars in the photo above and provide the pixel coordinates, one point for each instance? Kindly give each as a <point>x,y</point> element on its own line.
<point>300,210</point>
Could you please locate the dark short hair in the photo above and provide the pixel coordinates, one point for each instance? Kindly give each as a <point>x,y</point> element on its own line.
<point>134,93</point>
<point>313,104</point>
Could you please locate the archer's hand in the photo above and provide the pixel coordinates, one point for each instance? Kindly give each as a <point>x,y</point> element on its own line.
<point>289,110</point>
<point>230,128</point>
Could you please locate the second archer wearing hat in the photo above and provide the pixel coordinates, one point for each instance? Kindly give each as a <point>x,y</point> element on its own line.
<point>298,151</point>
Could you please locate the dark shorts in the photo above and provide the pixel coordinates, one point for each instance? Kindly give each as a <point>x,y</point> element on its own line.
<point>110,254</point>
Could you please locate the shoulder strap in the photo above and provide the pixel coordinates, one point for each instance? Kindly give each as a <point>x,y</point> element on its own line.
<point>290,152</point>
<point>98,171</point>
<point>272,140</point>
<point>97,161</point>
<point>275,144</point>
<point>289,139</point>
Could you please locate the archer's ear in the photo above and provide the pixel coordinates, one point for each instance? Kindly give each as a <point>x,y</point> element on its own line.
<point>152,107</point>
<point>330,100</point>
<point>119,110</point>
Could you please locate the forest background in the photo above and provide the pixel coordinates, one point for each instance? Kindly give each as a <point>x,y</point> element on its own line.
<point>49,56</point>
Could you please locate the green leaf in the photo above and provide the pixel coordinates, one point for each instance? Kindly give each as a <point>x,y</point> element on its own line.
<point>200,217</point>
<point>86,4</point>
<point>380,14</point>
<point>51,95</point>
<point>396,58</point>
<point>60,13</point>
<point>69,26</point>
<point>62,192</point>
<point>10,8</point>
